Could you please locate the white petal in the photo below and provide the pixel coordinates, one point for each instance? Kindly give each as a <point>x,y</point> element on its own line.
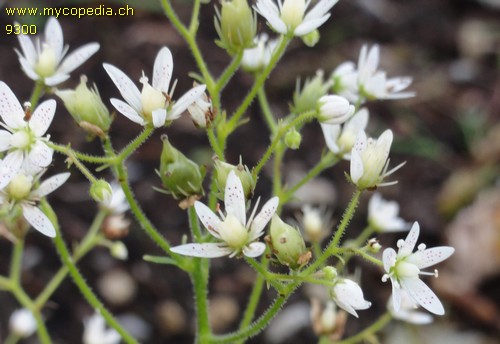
<point>54,36</point>
<point>356,167</point>
<point>127,111</point>
<point>183,102</point>
<point>358,122</point>
<point>320,9</point>
<point>28,49</point>
<point>10,109</point>
<point>77,58</point>
<point>28,68</point>
<point>234,198</point>
<point>42,117</point>
<point>254,249</point>
<point>422,295</point>
<point>40,155</point>
<point>162,70</point>
<point>261,220</point>
<point>331,134</point>
<point>310,25</point>
<point>431,256</point>
<point>127,88</point>
<point>9,167</point>
<point>5,137</point>
<point>205,250</point>
<point>56,79</point>
<point>389,259</point>
<point>208,218</point>
<point>270,11</point>
<point>396,295</point>
<point>38,220</point>
<point>49,185</point>
<point>410,241</point>
<point>159,117</point>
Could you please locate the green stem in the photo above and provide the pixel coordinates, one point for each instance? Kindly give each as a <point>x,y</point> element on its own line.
<point>199,279</point>
<point>12,339</point>
<point>364,235</point>
<point>361,253</point>
<point>85,171</point>
<point>212,139</point>
<point>229,72</point>
<point>37,93</point>
<point>372,329</point>
<point>86,291</point>
<point>136,143</point>
<point>278,161</point>
<point>81,156</point>
<point>266,110</point>
<point>194,225</point>
<point>194,23</point>
<point>16,262</point>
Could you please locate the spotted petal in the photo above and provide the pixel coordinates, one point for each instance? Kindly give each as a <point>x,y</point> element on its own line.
<point>186,100</point>
<point>10,109</point>
<point>38,220</point>
<point>234,198</point>
<point>127,111</point>
<point>77,58</point>
<point>422,295</point>
<point>431,256</point>
<point>410,241</point>
<point>261,220</point>
<point>9,167</point>
<point>208,218</point>
<point>127,88</point>
<point>49,185</point>
<point>205,250</point>
<point>39,157</point>
<point>389,259</point>
<point>162,70</point>
<point>54,37</point>
<point>42,117</point>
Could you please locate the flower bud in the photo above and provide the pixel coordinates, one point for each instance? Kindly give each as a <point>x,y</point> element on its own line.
<point>115,226</point>
<point>293,139</point>
<point>119,250</point>
<point>222,170</point>
<point>374,245</point>
<point>87,108</point>
<point>313,89</point>
<point>201,111</point>
<point>237,26</point>
<point>22,323</point>
<point>329,272</point>
<point>333,109</point>
<point>180,176</point>
<point>20,186</point>
<point>311,39</point>
<point>288,245</point>
<point>101,191</point>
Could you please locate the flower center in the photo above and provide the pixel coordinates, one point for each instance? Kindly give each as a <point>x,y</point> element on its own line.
<point>407,270</point>
<point>233,232</point>
<point>151,99</point>
<point>21,140</point>
<point>20,186</point>
<point>292,13</point>
<point>47,62</point>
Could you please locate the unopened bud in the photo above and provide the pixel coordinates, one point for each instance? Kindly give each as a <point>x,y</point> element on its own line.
<point>374,245</point>
<point>311,39</point>
<point>179,175</point>
<point>236,26</point>
<point>330,273</point>
<point>115,227</point>
<point>101,191</point>
<point>333,109</point>
<point>22,323</point>
<point>87,108</point>
<point>119,250</point>
<point>201,111</point>
<point>293,139</point>
<point>222,170</point>
<point>288,244</point>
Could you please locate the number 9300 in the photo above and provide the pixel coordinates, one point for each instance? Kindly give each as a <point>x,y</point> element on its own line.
<point>18,29</point>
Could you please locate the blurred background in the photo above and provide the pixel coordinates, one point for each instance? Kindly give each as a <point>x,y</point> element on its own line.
<point>449,135</point>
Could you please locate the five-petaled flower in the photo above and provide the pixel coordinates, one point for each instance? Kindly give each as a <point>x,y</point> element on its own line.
<point>152,105</point>
<point>45,60</point>
<point>383,215</point>
<point>290,17</point>
<point>22,191</point>
<point>236,235</point>
<point>23,140</point>
<point>404,268</point>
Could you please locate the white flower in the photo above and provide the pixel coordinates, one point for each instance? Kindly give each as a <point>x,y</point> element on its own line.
<point>258,57</point>
<point>345,81</point>
<point>405,267</point>
<point>408,311</point>
<point>369,160</point>
<point>22,323</point>
<point>340,140</point>
<point>236,234</point>
<point>333,109</point>
<point>117,203</point>
<point>95,331</point>
<point>290,17</point>
<point>201,111</point>
<point>45,60</point>
<point>316,223</point>
<point>348,295</point>
<point>22,191</point>
<point>151,105</point>
<point>383,215</point>
<point>23,140</point>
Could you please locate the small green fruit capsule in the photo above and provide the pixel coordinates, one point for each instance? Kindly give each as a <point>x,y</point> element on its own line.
<point>101,191</point>
<point>288,244</point>
<point>293,139</point>
<point>222,170</point>
<point>311,39</point>
<point>330,273</point>
<point>237,27</point>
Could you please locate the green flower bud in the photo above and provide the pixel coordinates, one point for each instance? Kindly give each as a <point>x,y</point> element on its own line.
<point>86,107</point>
<point>101,191</point>
<point>236,27</point>
<point>20,186</point>
<point>222,170</point>
<point>180,176</point>
<point>288,245</point>
<point>330,273</point>
<point>305,99</point>
<point>293,139</point>
<point>311,39</point>
<point>119,250</point>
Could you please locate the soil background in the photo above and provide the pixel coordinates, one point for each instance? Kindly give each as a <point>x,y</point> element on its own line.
<point>448,134</point>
